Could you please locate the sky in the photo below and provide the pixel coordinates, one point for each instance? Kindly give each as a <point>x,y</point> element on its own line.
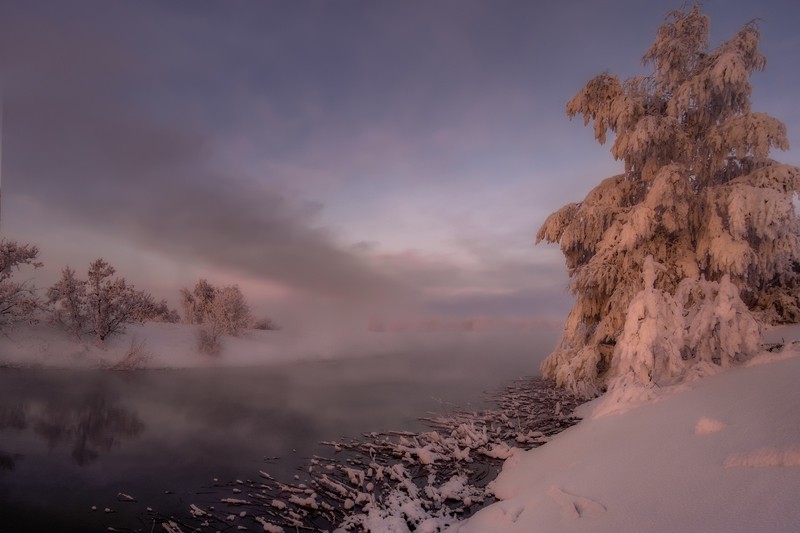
<point>331,158</point>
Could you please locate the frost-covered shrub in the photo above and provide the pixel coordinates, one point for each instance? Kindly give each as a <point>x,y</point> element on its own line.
<point>223,309</point>
<point>100,305</point>
<point>158,312</point>
<point>197,303</point>
<point>720,328</point>
<point>651,345</point>
<point>18,300</point>
<point>704,326</point>
<point>229,313</point>
<point>135,358</point>
<point>68,299</point>
<point>220,311</point>
<point>699,194</point>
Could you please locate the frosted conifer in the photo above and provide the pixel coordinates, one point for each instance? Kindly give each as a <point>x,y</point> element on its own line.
<point>699,196</point>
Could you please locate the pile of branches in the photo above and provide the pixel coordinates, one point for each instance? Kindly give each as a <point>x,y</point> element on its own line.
<point>395,480</point>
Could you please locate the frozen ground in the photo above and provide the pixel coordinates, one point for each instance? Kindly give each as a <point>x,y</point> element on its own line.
<point>721,454</point>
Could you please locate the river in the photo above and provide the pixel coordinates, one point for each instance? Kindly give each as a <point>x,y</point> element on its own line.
<point>75,443</point>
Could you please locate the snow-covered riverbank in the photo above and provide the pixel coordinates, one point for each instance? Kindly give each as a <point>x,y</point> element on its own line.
<point>719,454</point>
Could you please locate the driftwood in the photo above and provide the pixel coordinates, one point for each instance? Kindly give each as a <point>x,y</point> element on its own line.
<point>437,476</point>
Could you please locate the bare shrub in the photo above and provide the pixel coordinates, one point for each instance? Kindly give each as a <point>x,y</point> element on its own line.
<point>135,358</point>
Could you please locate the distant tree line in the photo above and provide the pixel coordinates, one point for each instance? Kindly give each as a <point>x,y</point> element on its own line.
<point>102,304</point>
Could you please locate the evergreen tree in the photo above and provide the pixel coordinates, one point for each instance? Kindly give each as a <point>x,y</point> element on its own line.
<point>700,201</point>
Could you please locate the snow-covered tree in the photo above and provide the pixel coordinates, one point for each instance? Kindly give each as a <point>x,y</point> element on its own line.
<point>100,305</point>
<point>197,302</point>
<point>220,310</point>
<point>229,314</point>
<point>699,195</point>
<point>68,298</point>
<point>18,301</point>
<point>223,309</point>
<point>158,312</point>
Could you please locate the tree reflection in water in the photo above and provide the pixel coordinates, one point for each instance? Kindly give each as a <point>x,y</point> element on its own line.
<point>91,427</point>
<point>13,417</point>
<point>7,461</point>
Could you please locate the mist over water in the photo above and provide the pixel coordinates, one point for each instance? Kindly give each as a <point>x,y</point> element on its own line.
<point>73,439</point>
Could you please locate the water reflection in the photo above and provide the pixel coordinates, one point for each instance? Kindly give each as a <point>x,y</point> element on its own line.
<point>7,461</point>
<point>11,418</point>
<point>71,440</point>
<point>92,427</point>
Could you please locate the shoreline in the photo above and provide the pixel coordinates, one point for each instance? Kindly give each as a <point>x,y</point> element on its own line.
<point>426,479</point>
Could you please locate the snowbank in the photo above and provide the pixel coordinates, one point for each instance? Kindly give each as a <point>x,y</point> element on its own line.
<point>719,454</point>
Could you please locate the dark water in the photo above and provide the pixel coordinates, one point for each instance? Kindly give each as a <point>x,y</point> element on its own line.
<point>74,439</point>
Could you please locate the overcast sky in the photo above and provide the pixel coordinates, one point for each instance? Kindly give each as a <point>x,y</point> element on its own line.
<point>366,155</point>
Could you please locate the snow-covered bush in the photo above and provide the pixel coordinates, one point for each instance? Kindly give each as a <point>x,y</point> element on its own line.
<point>100,305</point>
<point>197,303</point>
<point>720,329</point>
<point>223,309</point>
<point>651,345</point>
<point>18,300</point>
<point>220,310</point>
<point>699,195</point>
<point>229,313</point>
<point>705,325</point>
<point>159,312</point>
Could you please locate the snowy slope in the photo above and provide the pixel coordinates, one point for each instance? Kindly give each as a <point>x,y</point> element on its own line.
<point>719,455</point>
